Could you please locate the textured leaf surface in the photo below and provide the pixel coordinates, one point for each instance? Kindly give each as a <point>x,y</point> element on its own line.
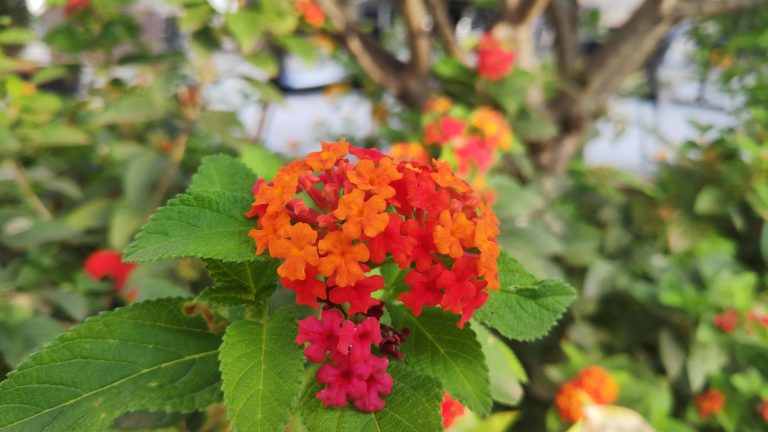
<point>261,369</point>
<point>236,283</point>
<point>149,356</point>
<point>436,347</point>
<point>221,173</point>
<point>512,273</point>
<point>527,313</point>
<point>206,222</point>
<point>204,225</point>
<point>413,406</point>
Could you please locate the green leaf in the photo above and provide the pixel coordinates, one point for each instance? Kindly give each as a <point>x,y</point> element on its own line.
<point>195,17</point>
<point>53,135</point>
<point>437,347</point>
<point>527,313</point>
<point>240,282</point>
<point>149,356</point>
<point>672,354</point>
<point>16,36</point>
<point>262,161</point>
<point>203,225</point>
<point>221,173</point>
<point>300,46</point>
<point>244,28</point>
<point>91,214</point>
<point>764,242</point>
<point>512,274</point>
<point>134,108</point>
<point>704,360</point>
<point>413,405</point>
<point>266,62</point>
<point>207,222</point>
<point>503,366</point>
<point>710,201</point>
<point>147,420</point>
<point>18,340</point>
<point>261,369</point>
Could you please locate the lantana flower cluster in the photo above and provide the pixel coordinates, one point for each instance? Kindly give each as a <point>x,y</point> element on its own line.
<point>105,263</point>
<point>470,139</point>
<point>344,210</point>
<point>591,386</point>
<point>495,59</point>
<point>354,372</point>
<point>473,138</point>
<point>310,12</point>
<point>731,319</point>
<point>709,403</point>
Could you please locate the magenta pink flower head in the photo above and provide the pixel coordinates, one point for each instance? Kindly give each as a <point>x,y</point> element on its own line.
<point>353,372</point>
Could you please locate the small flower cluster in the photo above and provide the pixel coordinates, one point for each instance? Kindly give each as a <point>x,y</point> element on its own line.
<point>494,59</point>
<point>450,410</point>
<point>592,386</point>
<point>331,220</point>
<point>311,12</point>
<point>470,138</point>
<point>107,263</point>
<point>710,402</point>
<point>353,372</point>
<point>730,319</point>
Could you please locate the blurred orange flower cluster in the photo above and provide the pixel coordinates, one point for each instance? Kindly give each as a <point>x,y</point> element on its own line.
<point>592,386</point>
<point>710,402</point>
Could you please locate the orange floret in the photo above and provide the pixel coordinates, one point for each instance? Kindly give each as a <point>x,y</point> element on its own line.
<point>438,104</point>
<point>277,194</point>
<point>297,246</point>
<point>487,265</point>
<point>328,156</point>
<point>409,151</point>
<point>446,178</point>
<point>342,258</point>
<point>602,388</point>
<point>452,233</point>
<point>570,401</point>
<point>362,216</point>
<point>272,224</point>
<point>375,179</point>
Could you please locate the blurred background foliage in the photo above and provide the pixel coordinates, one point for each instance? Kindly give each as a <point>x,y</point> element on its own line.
<point>671,265</point>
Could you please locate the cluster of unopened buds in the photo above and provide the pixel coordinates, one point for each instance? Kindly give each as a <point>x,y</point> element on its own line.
<point>335,216</point>
<point>591,386</point>
<point>354,373</point>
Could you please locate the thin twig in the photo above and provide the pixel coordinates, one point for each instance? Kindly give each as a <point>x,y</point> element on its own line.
<point>19,176</point>
<point>262,124</point>
<point>177,155</point>
<point>445,30</point>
